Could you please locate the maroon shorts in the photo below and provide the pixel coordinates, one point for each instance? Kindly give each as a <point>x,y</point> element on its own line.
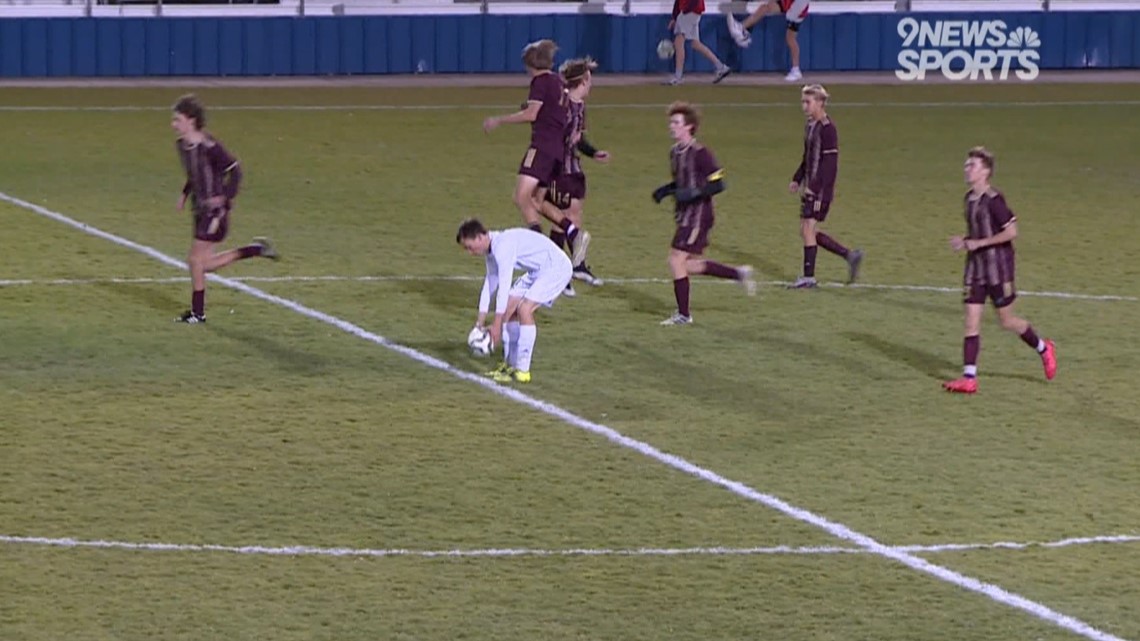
<point>692,239</point>
<point>212,225</point>
<point>541,166</point>
<point>1002,295</point>
<point>814,208</point>
<point>566,188</point>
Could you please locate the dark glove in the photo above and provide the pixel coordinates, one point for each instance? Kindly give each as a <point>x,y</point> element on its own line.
<point>662,192</point>
<point>687,194</point>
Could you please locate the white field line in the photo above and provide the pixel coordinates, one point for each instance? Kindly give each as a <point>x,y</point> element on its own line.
<point>444,278</point>
<point>639,105</point>
<point>834,528</point>
<point>306,550</point>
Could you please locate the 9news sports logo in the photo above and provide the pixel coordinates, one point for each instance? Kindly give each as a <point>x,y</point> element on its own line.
<point>963,49</point>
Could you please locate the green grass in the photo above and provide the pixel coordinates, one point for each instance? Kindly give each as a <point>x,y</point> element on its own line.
<point>265,427</point>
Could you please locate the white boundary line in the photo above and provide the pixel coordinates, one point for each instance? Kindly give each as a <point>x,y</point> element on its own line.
<point>26,282</point>
<point>639,105</point>
<point>834,528</point>
<point>306,550</point>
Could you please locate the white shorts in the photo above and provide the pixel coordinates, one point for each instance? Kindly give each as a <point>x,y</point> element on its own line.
<point>688,25</point>
<point>544,285</point>
<point>797,11</point>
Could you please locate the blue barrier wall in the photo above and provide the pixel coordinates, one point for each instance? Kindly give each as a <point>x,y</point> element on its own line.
<point>38,47</point>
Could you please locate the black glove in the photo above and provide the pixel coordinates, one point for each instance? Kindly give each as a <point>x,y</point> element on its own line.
<point>687,194</point>
<point>662,192</point>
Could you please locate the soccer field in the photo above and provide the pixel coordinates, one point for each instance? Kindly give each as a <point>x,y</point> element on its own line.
<point>324,460</point>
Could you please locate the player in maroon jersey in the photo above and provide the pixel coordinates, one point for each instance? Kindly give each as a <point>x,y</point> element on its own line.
<point>213,177</point>
<point>568,191</point>
<point>546,111</point>
<point>697,177</point>
<point>795,12</point>
<point>989,273</point>
<point>815,181</point>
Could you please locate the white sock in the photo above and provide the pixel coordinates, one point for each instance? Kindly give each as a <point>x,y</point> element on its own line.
<point>527,336</point>
<point>1040,346</point>
<point>970,371</point>
<point>510,343</point>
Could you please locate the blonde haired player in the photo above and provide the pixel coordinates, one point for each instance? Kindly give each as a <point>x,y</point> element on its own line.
<point>814,180</point>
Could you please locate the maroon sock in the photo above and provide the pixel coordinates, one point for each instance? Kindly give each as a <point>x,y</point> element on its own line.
<point>830,244</point>
<point>198,302</point>
<point>249,251</point>
<point>970,348</point>
<point>809,261</point>
<point>558,237</point>
<point>535,227</point>
<point>1031,339</point>
<point>681,291</point>
<point>718,270</point>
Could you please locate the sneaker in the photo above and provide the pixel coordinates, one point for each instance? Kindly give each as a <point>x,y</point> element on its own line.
<point>582,272</point>
<point>1049,360</point>
<point>804,282</point>
<point>190,318</point>
<point>267,248</point>
<point>677,319</point>
<point>746,279</point>
<point>737,31</point>
<point>721,75</point>
<point>793,75</point>
<point>569,291</point>
<point>579,246</point>
<point>854,260</point>
<point>964,385</point>
<point>673,80</point>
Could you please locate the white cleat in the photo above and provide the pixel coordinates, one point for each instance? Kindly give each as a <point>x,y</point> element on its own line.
<point>677,319</point>
<point>736,30</point>
<point>794,75</point>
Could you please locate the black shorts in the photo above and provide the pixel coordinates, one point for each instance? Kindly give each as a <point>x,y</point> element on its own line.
<point>212,225</point>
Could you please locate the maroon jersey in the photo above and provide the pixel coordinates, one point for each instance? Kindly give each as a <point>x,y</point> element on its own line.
<point>548,131</point>
<point>210,171</point>
<point>987,215</point>
<point>694,166</point>
<point>820,164</point>
<point>575,128</point>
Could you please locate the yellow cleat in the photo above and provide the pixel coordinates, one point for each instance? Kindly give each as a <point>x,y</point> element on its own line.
<point>522,377</point>
<point>503,369</point>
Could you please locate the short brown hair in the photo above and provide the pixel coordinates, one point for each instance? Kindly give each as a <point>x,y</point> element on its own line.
<point>688,111</point>
<point>539,54</point>
<point>470,228</point>
<point>575,71</point>
<point>984,155</point>
<point>192,108</point>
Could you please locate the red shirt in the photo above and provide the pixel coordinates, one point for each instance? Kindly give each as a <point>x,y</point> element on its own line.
<point>688,6</point>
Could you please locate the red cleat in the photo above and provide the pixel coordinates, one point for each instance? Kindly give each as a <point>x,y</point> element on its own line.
<point>1049,360</point>
<point>964,385</point>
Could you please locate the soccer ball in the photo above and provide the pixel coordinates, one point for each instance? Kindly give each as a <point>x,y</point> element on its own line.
<point>479,340</point>
<point>665,49</point>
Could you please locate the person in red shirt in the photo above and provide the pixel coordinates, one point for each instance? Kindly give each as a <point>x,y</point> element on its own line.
<point>686,25</point>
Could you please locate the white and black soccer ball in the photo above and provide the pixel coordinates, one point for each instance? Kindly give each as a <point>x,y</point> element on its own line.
<point>665,49</point>
<point>479,341</point>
